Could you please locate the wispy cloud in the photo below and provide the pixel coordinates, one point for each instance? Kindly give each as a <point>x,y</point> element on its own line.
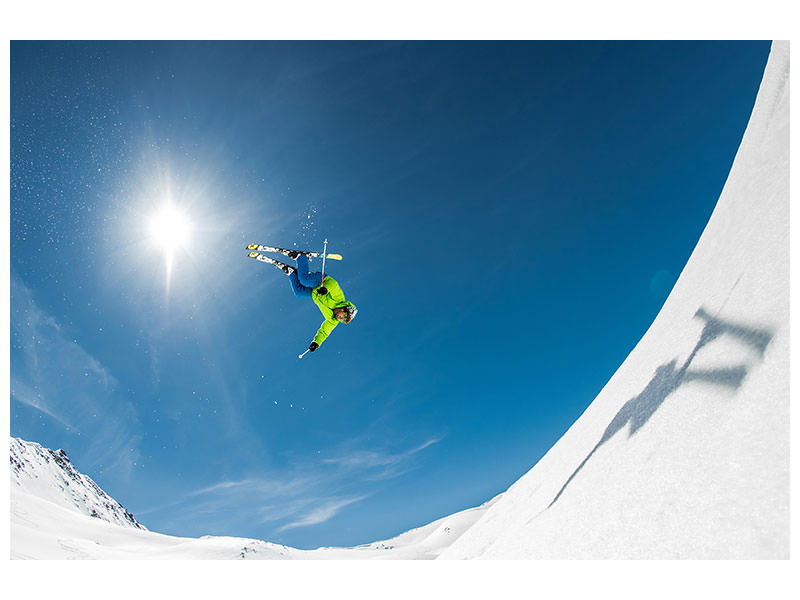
<point>24,394</point>
<point>322,512</point>
<point>378,464</point>
<point>265,487</point>
<point>53,374</point>
<point>224,485</point>
<point>312,490</point>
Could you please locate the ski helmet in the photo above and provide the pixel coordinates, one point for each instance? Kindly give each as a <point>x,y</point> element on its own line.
<point>351,312</point>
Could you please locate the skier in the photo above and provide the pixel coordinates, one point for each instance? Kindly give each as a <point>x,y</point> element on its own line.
<point>326,293</point>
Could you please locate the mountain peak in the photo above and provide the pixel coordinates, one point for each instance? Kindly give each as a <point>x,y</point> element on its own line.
<point>50,475</point>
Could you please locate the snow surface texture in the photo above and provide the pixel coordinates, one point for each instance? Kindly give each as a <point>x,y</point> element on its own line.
<point>684,453</point>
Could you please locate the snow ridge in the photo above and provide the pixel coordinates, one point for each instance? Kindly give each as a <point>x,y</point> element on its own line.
<point>50,475</point>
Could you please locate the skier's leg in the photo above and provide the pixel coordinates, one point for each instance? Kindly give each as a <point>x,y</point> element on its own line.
<point>298,288</point>
<point>276,263</point>
<point>307,278</point>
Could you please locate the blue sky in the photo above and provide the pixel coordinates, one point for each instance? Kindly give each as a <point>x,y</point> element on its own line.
<point>512,216</point>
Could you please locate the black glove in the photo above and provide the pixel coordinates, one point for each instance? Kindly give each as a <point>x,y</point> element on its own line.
<point>322,290</point>
<point>313,346</point>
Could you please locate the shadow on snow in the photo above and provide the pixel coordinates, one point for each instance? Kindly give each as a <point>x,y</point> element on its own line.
<point>669,377</point>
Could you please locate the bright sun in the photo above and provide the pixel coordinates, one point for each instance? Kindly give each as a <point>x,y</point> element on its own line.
<point>170,228</point>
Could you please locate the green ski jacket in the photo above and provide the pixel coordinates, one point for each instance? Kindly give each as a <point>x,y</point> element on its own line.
<point>333,299</point>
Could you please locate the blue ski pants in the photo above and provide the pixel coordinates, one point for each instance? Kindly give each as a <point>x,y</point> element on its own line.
<point>303,281</point>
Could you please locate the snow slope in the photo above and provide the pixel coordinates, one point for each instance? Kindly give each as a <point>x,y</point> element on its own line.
<point>49,475</point>
<point>685,452</point>
<point>58,513</point>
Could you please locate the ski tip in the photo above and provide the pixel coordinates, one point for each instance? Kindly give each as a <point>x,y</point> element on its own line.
<point>253,255</point>
<point>334,256</point>
<point>252,246</point>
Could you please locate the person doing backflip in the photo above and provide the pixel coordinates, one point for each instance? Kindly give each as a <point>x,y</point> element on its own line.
<point>324,290</point>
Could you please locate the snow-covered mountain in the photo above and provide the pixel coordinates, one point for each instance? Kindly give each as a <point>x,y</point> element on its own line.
<point>49,475</point>
<point>683,454</point>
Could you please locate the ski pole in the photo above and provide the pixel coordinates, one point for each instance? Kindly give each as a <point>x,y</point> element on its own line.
<point>324,256</point>
<point>303,354</point>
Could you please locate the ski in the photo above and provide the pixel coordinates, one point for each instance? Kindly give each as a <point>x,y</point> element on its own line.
<point>282,266</point>
<point>292,253</point>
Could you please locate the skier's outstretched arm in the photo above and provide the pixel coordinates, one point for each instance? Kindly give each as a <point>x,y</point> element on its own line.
<point>322,333</point>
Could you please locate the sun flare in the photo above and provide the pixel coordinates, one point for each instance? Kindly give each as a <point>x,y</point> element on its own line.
<point>170,228</point>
